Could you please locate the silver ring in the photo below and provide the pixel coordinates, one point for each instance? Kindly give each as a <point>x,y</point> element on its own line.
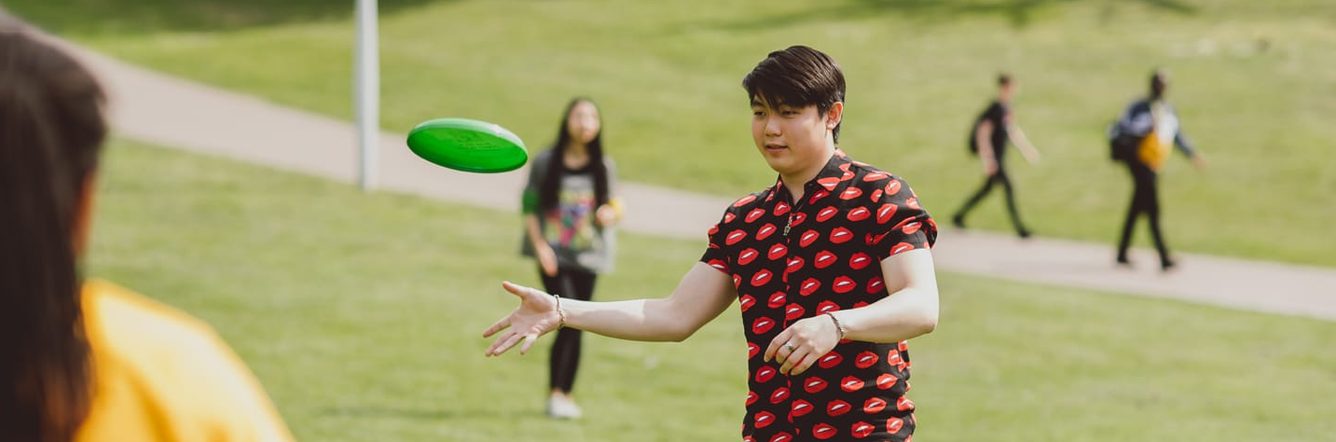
<point>790,347</point>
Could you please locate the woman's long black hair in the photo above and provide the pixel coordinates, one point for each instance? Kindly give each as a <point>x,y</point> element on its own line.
<point>51,129</point>
<point>547,193</point>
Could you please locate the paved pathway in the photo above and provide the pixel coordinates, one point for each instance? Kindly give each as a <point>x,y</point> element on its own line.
<point>165,110</point>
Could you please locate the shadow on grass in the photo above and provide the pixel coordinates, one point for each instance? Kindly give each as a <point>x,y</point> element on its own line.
<point>130,17</point>
<point>1019,13</point>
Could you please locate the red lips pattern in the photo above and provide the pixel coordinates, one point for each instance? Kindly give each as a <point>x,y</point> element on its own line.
<point>841,235</point>
<point>765,231</point>
<point>843,284</point>
<point>829,360</point>
<point>851,384</point>
<point>826,214</point>
<point>886,381</point>
<point>823,431</point>
<point>761,278</point>
<point>785,270</point>
<point>794,312</point>
<point>838,408</point>
<point>808,238</point>
<point>814,384</point>
<point>764,419</point>
<point>762,325</point>
<point>747,256</point>
<point>859,260</point>
<point>765,374</point>
<point>866,359</point>
<point>862,430</point>
<point>754,215</point>
<point>858,214</point>
<point>746,302</point>
<point>824,259</point>
<point>801,408</point>
<point>872,406</point>
<point>780,395</point>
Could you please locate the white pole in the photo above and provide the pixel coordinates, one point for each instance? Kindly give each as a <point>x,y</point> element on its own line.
<point>367,99</point>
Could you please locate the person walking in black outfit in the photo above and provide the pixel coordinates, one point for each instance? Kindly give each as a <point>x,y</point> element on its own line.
<point>1142,138</point>
<point>988,139</point>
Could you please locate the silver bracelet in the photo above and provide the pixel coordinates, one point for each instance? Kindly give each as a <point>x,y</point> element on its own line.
<point>838,327</point>
<point>560,313</point>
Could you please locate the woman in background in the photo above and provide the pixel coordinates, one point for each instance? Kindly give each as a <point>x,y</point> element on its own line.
<point>569,207</point>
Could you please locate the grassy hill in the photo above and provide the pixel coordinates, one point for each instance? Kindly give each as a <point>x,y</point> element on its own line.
<point>1253,82</point>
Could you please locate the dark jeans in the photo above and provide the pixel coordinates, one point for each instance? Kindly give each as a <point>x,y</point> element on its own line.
<point>1145,199</point>
<point>997,178</point>
<point>574,284</point>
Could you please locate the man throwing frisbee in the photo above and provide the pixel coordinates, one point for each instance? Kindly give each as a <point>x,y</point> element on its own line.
<point>831,266</point>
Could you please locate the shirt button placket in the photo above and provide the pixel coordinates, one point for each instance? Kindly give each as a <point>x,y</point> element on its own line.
<point>795,204</point>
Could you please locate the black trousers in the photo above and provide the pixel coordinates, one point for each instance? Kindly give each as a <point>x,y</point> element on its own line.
<point>997,178</point>
<point>1145,199</point>
<point>565,361</point>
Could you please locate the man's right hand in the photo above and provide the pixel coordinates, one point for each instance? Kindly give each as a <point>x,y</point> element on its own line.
<point>536,316</point>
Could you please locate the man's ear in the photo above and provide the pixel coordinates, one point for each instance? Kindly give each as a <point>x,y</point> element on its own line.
<point>834,115</point>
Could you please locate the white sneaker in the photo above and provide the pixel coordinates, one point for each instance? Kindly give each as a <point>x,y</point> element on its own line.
<point>559,407</point>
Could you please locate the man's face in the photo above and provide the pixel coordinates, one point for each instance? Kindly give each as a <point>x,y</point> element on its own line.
<point>1007,91</point>
<point>792,139</point>
<point>1159,85</point>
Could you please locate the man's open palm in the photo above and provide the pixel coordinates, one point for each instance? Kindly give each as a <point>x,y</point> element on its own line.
<point>536,315</point>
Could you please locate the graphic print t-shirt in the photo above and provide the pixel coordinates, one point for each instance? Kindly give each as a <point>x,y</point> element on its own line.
<point>569,227</point>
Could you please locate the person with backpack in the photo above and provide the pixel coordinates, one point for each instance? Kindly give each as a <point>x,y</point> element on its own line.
<point>1142,138</point>
<point>988,140</point>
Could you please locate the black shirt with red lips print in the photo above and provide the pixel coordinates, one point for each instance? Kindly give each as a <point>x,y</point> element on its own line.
<point>791,260</point>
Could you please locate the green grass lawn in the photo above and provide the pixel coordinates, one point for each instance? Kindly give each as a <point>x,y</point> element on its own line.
<point>1253,81</point>
<point>361,314</point>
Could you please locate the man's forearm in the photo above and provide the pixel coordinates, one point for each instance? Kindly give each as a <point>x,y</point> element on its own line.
<point>903,315</point>
<point>637,320</point>
<point>1019,139</point>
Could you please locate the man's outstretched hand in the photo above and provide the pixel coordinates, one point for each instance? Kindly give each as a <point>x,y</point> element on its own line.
<point>536,315</point>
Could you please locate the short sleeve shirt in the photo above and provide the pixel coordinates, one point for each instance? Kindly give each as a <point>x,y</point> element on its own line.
<point>999,114</point>
<point>791,260</point>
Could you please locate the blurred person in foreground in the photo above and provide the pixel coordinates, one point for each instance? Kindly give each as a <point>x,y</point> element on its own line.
<point>1142,138</point>
<point>85,360</point>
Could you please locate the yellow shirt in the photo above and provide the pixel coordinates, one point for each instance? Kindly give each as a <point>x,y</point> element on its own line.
<point>162,375</point>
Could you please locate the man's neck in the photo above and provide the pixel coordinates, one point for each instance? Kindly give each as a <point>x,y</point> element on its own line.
<point>797,181</point>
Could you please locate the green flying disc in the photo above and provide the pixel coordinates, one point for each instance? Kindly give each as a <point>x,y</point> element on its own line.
<point>468,145</point>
